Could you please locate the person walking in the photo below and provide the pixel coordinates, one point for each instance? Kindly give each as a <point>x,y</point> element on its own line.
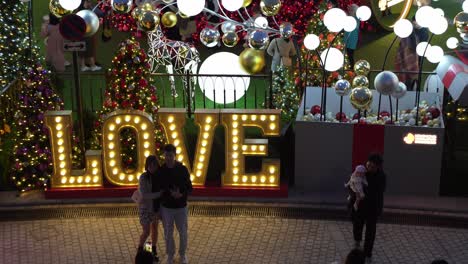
<point>370,208</point>
<point>147,197</point>
<point>175,186</point>
<point>352,38</point>
<point>54,43</point>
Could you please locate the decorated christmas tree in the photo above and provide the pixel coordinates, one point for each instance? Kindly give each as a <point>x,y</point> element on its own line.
<point>312,74</point>
<point>32,155</point>
<point>284,94</point>
<point>129,88</point>
<point>16,47</point>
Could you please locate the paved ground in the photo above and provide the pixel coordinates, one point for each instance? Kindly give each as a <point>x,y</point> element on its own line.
<point>223,240</point>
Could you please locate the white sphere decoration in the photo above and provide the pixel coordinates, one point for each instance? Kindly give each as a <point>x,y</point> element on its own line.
<point>232,5</point>
<point>438,25</point>
<point>70,4</point>
<point>465,6</point>
<point>350,24</point>
<point>452,43</point>
<point>334,60</point>
<point>439,12</point>
<point>191,7</point>
<point>424,16</point>
<point>403,28</point>
<point>435,54</point>
<point>261,22</point>
<point>311,41</point>
<point>363,13</point>
<point>421,48</point>
<point>223,63</point>
<point>333,19</point>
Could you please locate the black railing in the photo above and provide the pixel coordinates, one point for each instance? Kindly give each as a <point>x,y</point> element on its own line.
<point>256,92</point>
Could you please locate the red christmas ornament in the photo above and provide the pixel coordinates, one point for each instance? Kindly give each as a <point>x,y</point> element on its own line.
<point>424,120</point>
<point>315,109</point>
<point>384,114</point>
<point>356,116</point>
<point>340,114</point>
<point>143,82</point>
<point>435,112</point>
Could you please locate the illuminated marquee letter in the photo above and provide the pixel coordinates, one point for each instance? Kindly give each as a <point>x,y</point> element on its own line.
<point>173,121</point>
<point>143,126</point>
<point>59,124</point>
<point>237,147</point>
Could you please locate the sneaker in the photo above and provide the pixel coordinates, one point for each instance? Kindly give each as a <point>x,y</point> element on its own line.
<point>183,259</point>
<point>95,68</point>
<point>67,63</point>
<point>85,68</point>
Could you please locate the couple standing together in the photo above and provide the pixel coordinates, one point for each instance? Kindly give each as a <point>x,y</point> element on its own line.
<point>163,192</point>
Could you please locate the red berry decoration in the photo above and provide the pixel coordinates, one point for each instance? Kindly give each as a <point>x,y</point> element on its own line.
<point>384,113</point>
<point>340,115</point>
<point>315,110</point>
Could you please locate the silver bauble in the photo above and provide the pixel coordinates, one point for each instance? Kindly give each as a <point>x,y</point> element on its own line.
<point>228,26</point>
<point>258,39</point>
<point>91,20</point>
<point>286,30</point>
<point>386,82</point>
<point>209,37</point>
<point>121,6</point>
<point>400,91</point>
<point>342,87</point>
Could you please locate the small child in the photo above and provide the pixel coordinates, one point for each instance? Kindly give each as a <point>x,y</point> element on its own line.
<point>356,183</point>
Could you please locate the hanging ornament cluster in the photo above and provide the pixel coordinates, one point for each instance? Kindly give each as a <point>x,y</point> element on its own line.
<point>361,96</point>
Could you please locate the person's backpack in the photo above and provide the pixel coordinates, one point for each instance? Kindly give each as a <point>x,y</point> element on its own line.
<point>143,257</point>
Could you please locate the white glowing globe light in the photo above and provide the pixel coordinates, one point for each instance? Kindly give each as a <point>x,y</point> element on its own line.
<point>334,60</point>
<point>424,16</point>
<point>421,48</point>
<point>363,13</point>
<point>223,63</point>
<point>350,24</point>
<point>333,19</point>
<point>191,7</point>
<point>261,22</point>
<point>403,28</point>
<point>438,25</point>
<point>311,41</point>
<point>435,54</point>
<point>465,6</point>
<point>452,43</point>
<point>439,12</point>
<point>232,5</point>
<point>70,4</point>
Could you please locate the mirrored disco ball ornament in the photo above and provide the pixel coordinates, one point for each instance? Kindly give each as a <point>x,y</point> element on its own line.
<point>209,37</point>
<point>258,39</point>
<point>342,87</point>
<point>361,98</point>
<point>228,26</point>
<point>362,67</point>
<point>360,81</point>
<point>386,82</point>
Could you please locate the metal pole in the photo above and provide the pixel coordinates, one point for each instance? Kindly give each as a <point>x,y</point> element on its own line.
<point>383,68</point>
<point>189,95</point>
<point>419,79</point>
<point>271,90</point>
<point>341,107</point>
<point>79,101</point>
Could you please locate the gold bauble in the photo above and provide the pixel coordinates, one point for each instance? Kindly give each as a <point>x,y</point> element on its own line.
<point>230,39</point>
<point>137,12</point>
<point>360,81</point>
<point>361,98</point>
<point>246,3</point>
<point>270,9</point>
<point>460,22</point>
<point>169,19</point>
<point>57,10</point>
<point>362,67</point>
<point>252,60</point>
<point>146,7</point>
<point>149,21</point>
